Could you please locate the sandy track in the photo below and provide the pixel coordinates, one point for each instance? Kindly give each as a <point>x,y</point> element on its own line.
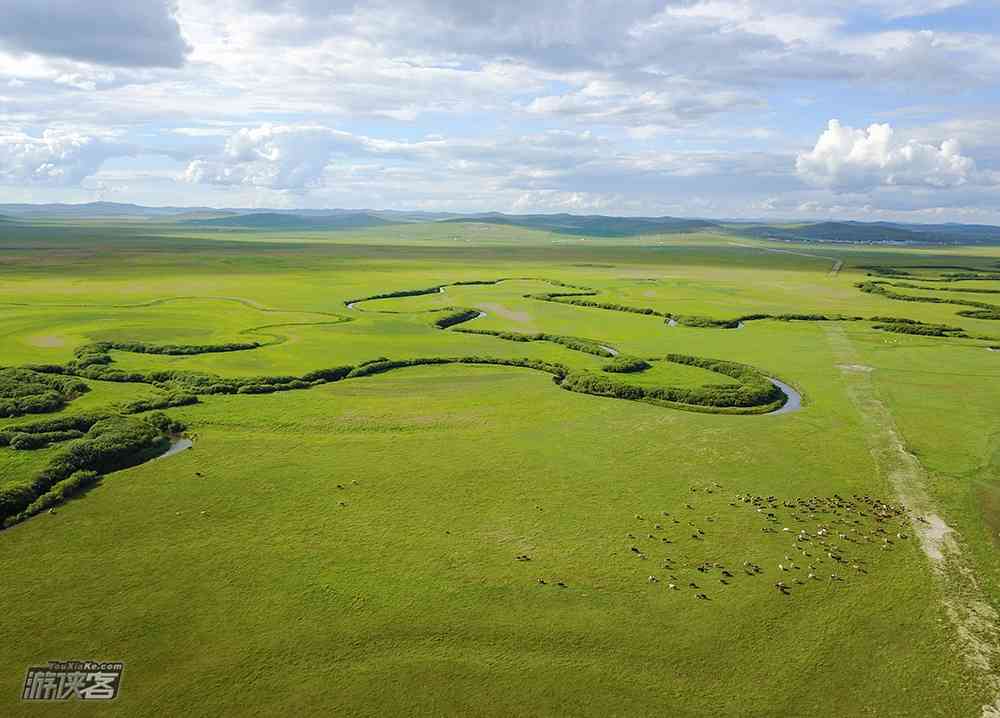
<point>975,621</point>
<point>838,264</point>
<point>502,311</point>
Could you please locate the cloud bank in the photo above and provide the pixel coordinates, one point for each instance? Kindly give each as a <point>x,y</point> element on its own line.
<point>849,159</point>
<point>60,158</point>
<point>112,32</point>
<point>697,107</point>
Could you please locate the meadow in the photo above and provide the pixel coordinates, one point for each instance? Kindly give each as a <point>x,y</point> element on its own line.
<point>469,469</point>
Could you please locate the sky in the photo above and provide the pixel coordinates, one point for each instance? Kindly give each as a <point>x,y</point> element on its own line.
<point>764,109</point>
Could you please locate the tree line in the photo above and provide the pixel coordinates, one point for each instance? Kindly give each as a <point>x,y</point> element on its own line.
<point>587,346</point>
<point>23,391</point>
<point>109,444</point>
<point>96,348</point>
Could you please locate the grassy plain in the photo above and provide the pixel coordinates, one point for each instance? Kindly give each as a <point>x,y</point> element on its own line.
<point>351,548</point>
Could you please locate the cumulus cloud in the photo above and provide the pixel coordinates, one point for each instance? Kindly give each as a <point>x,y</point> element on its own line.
<point>273,156</point>
<point>529,103</point>
<point>113,32</point>
<point>555,168</point>
<point>57,157</point>
<point>849,159</point>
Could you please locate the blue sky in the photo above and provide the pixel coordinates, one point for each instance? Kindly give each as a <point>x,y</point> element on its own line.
<point>863,109</point>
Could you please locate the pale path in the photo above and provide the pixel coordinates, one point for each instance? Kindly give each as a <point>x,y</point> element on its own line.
<point>838,264</point>
<point>973,618</point>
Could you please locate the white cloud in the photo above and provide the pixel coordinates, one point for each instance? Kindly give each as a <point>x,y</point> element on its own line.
<point>57,157</point>
<point>474,104</point>
<point>273,156</point>
<point>849,159</point>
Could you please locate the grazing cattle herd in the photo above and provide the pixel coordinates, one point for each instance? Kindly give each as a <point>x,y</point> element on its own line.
<point>830,537</point>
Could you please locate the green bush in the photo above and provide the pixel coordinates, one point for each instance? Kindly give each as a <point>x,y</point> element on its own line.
<point>403,293</point>
<point>388,364</point>
<point>455,317</point>
<point>79,422</point>
<point>333,374</point>
<point>256,389</point>
<point>28,391</point>
<point>927,330</point>
<point>110,444</point>
<point>165,402</point>
<point>982,309</point>
<point>753,391</point>
<point>626,365</point>
<point>991,314</point>
<point>575,298</point>
<point>102,348</point>
<point>706,322</point>
<point>588,346</point>
<point>894,320</point>
<point>27,442</point>
<point>59,492</point>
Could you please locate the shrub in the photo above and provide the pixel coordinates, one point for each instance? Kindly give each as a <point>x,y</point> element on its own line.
<point>102,348</point>
<point>753,391</point>
<point>110,444</point>
<point>927,330</point>
<point>982,309</point>
<point>399,293</point>
<point>59,492</point>
<point>894,320</point>
<point>626,365</point>
<point>333,374</point>
<point>79,422</point>
<point>27,442</point>
<point>884,271</point>
<point>706,322</point>
<point>27,391</point>
<point>583,345</point>
<point>164,402</point>
<point>88,360</point>
<point>804,317</point>
<point>256,389</point>
<point>575,299</point>
<point>992,314</point>
<point>455,317</point>
<point>384,366</point>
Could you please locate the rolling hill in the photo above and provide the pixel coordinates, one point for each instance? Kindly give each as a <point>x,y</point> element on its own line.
<point>593,225</point>
<point>847,232</point>
<point>873,233</point>
<point>278,221</point>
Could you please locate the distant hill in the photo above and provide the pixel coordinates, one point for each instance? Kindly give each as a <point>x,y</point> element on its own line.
<point>874,233</point>
<point>93,210</point>
<point>593,225</point>
<point>958,233</point>
<point>848,232</point>
<point>274,220</point>
<point>109,210</point>
<point>201,214</point>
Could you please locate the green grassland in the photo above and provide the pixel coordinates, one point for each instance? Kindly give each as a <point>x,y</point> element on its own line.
<point>472,539</point>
